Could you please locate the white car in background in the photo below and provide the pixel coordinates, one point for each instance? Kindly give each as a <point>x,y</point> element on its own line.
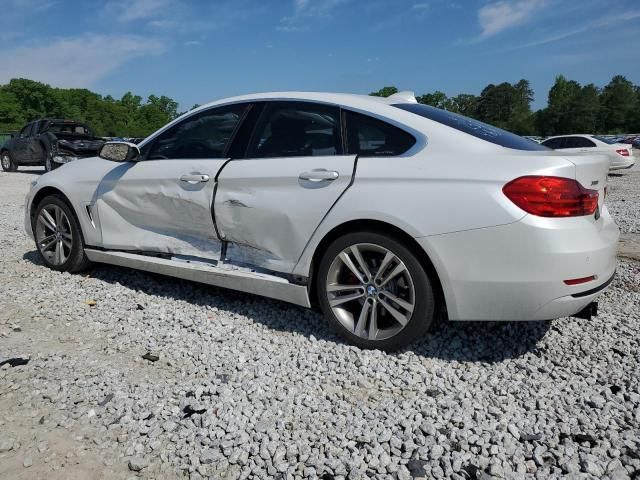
<point>620,155</point>
<point>381,211</point>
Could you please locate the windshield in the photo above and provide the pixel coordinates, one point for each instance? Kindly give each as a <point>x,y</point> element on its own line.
<point>610,141</point>
<point>473,127</point>
<point>68,128</point>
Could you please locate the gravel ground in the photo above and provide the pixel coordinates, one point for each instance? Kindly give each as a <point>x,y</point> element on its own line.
<point>118,374</point>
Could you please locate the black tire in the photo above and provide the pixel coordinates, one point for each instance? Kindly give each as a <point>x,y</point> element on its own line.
<point>77,260</point>
<point>7,162</point>
<point>422,315</point>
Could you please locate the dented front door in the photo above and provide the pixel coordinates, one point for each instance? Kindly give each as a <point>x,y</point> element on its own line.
<point>268,208</point>
<point>163,202</point>
<point>160,206</point>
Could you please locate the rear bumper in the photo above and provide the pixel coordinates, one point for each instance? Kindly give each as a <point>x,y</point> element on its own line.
<point>622,163</point>
<point>517,271</point>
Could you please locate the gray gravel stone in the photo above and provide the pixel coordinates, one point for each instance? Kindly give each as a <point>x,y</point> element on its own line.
<point>6,444</point>
<point>253,388</point>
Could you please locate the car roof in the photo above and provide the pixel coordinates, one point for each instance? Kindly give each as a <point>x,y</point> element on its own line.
<point>347,99</point>
<point>570,135</point>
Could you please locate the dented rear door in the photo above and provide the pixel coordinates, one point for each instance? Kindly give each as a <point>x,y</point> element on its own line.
<point>268,208</point>
<point>269,203</point>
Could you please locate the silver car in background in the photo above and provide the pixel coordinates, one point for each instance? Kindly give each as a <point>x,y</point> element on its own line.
<point>380,211</point>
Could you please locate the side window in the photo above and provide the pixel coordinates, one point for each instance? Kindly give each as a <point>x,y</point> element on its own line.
<point>204,135</point>
<point>571,142</point>
<point>26,131</point>
<point>555,143</point>
<point>296,129</point>
<point>582,142</point>
<point>370,137</point>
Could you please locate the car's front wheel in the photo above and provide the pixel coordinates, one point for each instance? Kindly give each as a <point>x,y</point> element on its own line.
<point>374,290</point>
<point>49,164</point>
<point>7,162</point>
<point>58,236</point>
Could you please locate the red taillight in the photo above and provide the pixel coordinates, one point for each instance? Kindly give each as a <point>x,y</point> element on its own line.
<point>551,196</point>
<point>578,281</point>
<point>623,151</point>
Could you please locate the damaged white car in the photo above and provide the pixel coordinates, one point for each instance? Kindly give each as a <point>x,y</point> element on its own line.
<point>380,211</point>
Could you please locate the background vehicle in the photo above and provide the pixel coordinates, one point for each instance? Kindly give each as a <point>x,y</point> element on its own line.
<point>633,140</point>
<point>49,142</point>
<point>620,155</point>
<point>380,211</point>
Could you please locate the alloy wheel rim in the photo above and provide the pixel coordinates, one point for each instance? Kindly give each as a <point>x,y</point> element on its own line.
<point>370,291</point>
<point>6,163</point>
<point>53,234</point>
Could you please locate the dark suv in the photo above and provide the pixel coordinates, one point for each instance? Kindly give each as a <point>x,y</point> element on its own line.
<point>49,142</point>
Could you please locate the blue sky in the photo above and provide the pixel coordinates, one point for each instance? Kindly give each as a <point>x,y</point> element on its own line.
<point>196,51</point>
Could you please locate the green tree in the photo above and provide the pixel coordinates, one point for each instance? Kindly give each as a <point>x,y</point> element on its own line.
<point>36,99</point>
<point>384,92</point>
<point>619,102</point>
<point>436,99</point>
<point>11,114</point>
<point>634,125</point>
<point>586,110</point>
<point>464,104</point>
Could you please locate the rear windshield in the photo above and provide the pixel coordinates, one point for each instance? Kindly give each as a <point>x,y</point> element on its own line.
<point>473,127</point>
<point>610,141</point>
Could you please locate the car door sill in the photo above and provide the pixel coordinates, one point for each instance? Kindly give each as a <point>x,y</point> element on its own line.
<point>226,276</point>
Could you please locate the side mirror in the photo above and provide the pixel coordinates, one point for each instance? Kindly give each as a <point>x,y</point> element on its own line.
<point>120,152</point>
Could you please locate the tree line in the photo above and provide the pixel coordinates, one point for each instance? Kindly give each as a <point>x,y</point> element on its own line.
<point>572,107</point>
<point>22,101</point>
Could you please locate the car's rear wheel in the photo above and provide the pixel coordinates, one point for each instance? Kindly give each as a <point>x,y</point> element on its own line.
<point>58,236</point>
<point>7,162</point>
<point>374,291</point>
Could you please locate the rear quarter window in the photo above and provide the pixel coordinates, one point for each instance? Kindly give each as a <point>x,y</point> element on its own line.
<point>370,137</point>
<point>473,127</point>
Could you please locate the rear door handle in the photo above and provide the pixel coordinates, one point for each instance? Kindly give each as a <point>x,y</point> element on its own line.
<point>319,175</point>
<point>194,178</point>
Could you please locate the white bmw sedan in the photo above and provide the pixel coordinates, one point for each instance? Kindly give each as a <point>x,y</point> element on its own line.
<point>380,211</point>
<point>620,155</point>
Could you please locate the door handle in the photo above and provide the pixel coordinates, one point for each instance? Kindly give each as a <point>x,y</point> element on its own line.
<point>319,175</point>
<point>194,178</point>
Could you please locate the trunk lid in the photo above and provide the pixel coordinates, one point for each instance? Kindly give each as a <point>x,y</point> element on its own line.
<point>591,172</point>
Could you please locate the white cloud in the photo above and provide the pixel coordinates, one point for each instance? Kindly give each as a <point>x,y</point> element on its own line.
<point>304,10</point>
<point>498,16</point>
<point>74,62</point>
<point>192,43</point>
<point>614,19</point>
<point>135,10</point>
